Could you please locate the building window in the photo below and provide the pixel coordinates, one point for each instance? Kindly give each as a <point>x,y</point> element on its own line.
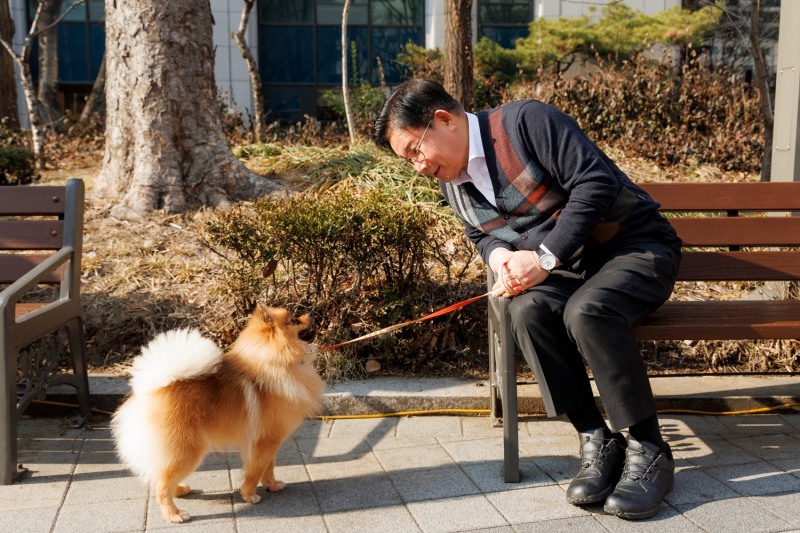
<point>504,21</point>
<point>300,47</point>
<point>81,44</point>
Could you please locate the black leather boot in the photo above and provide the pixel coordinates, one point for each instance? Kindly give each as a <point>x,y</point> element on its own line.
<point>601,466</point>
<point>648,476</point>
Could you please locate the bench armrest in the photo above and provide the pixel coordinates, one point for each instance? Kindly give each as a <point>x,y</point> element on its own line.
<point>10,296</point>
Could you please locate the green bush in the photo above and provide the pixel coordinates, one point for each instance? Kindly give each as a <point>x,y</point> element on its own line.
<point>360,260</point>
<point>697,115</point>
<point>16,165</point>
<point>16,160</point>
<point>365,104</point>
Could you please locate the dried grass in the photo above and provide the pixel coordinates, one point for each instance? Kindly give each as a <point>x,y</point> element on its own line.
<point>140,278</point>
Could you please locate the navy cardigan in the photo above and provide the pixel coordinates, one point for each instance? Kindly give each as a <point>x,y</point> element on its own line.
<point>553,186</point>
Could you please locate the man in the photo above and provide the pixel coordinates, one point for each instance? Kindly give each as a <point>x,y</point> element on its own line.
<point>584,255</point>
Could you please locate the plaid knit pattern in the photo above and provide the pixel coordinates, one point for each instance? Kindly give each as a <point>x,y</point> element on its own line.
<point>527,192</point>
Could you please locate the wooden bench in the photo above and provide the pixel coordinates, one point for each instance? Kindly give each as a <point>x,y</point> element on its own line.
<point>41,233</point>
<point>728,235</point>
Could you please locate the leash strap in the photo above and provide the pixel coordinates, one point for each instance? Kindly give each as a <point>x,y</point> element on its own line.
<point>440,312</point>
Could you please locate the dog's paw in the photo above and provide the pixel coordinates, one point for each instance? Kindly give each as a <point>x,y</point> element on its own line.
<point>182,490</point>
<point>251,497</point>
<point>177,518</point>
<point>275,485</point>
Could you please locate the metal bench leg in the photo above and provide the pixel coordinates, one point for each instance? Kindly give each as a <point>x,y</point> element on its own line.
<point>503,381</point>
<point>80,380</point>
<point>8,415</point>
<point>508,389</point>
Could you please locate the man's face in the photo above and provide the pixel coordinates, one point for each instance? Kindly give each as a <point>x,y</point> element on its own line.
<point>440,150</point>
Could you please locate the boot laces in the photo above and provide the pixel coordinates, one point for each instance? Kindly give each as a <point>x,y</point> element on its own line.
<point>636,470</point>
<point>590,456</point>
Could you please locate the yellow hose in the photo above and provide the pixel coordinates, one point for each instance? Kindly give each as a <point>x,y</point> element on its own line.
<point>479,411</point>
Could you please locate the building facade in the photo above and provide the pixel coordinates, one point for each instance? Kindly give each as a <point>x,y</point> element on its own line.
<point>297,43</point>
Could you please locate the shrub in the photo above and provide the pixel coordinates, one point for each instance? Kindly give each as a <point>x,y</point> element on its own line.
<point>16,160</point>
<point>360,260</point>
<point>696,115</point>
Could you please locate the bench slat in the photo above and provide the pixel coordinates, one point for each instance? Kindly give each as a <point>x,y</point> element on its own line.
<point>32,200</point>
<point>741,231</point>
<point>24,309</point>
<point>725,196</point>
<point>714,320</point>
<point>740,266</point>
<point>14,266</point>
<point>31,234</point>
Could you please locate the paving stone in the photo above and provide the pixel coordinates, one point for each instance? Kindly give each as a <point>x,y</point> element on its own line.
<point>432,483</point>
<point>392,519</point>
<point>755,478</point>
<point>733,516</point>
<point>463,513</point>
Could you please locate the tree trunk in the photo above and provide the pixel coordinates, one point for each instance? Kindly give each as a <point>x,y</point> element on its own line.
<point>458,76</point>
<point>762,82</point>
<point>95,106</point>
<point>348,113</point>
<point>252,70</point>
<point>22,60</point>
<point>48,64</point>
<point>164,146</point>
<point>8,84</point>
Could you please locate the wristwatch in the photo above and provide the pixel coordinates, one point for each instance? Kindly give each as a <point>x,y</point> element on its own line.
<point>546,260</point>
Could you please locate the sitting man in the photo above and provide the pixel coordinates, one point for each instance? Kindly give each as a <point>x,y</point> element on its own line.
<point>585,256</point>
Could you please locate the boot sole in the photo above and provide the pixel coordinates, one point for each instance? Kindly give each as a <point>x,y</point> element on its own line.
<point>639,515</point>
<point>596,498</point>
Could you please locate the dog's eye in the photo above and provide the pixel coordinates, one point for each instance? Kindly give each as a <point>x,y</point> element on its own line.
<point>293,321</point>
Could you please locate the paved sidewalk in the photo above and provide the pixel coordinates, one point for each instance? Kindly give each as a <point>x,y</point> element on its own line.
<point>417,473</point>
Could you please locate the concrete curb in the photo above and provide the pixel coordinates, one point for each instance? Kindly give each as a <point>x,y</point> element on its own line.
<point>387,395</point>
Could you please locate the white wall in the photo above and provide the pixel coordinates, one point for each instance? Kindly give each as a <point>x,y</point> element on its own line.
<point>229,66</point>
<point>552,9</point>
<point>434,24</point>
<point>785,154</point>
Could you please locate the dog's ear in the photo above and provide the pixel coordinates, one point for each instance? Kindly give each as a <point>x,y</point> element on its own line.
<point>262,314</point>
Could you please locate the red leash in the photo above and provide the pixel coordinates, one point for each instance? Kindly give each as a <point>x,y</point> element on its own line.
<point>440,312</point>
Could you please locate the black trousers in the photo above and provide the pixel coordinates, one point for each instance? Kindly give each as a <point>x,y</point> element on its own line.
<point>590,313</point>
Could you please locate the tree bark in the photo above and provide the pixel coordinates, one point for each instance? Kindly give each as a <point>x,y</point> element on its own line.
<point>47,95</point>
<point>458,75</point>
<point>8,84</point>
<point>164,146</point>
<point>252,70</point>
<point>762,82</point>
<point>95,106</point>
<point>348,113</point>
<point>22,60</point>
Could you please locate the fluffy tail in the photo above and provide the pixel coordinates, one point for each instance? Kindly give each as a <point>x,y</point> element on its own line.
<point>172,356</point>
<point>175,355</point>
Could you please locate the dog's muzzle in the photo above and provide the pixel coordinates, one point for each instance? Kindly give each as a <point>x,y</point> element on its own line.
<point>308,334</point>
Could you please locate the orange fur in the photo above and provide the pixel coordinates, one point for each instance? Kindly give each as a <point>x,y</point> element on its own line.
<point>255,398</point>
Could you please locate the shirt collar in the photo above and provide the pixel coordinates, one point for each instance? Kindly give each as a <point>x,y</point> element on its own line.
<point>475,149</point>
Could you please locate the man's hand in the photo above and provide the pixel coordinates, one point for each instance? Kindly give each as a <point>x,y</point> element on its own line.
<point>518,272</point>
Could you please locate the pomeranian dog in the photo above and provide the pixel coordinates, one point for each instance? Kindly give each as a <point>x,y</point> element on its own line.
<point>188,398</point>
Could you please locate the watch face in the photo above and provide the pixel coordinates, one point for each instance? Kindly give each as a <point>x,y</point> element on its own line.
<point>547,261</point>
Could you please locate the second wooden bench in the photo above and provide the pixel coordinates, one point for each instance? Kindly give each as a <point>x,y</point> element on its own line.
<point>730,232</point>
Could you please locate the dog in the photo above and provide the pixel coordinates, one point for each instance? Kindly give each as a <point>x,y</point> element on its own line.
<point>188,398</point>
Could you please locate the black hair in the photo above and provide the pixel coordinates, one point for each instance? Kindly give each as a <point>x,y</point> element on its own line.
<point>411,105</point>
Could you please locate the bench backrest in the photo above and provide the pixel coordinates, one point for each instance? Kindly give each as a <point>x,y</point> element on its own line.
<point>38,220</point>
<point>717,220</point>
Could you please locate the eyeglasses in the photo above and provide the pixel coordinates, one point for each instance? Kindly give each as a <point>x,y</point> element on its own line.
<point>417,155</point>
